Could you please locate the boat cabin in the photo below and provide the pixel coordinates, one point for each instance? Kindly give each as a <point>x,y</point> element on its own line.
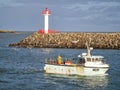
<point>94,60</point>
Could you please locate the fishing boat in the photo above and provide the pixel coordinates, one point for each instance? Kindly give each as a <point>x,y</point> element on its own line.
<point>84,64</point>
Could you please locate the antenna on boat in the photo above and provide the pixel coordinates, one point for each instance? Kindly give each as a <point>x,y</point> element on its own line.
<point>89,48</point>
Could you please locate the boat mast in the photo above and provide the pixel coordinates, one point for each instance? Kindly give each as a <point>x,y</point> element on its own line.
<point>88,49</point>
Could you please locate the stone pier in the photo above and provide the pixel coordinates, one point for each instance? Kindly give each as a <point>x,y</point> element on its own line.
<point>70,40</point>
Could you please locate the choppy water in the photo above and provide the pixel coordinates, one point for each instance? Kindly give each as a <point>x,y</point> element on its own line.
<point>22,68</point>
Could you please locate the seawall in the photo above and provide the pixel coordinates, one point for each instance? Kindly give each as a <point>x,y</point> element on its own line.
<point>70,40</point>
<point>7,31</point>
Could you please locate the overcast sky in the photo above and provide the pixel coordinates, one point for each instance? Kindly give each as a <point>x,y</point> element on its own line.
<point>67,15</point>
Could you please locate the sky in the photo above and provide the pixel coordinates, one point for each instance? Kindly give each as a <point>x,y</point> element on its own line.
<point>66,15</point>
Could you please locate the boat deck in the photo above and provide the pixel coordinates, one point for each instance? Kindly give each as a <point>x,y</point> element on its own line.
<point>64,62</point>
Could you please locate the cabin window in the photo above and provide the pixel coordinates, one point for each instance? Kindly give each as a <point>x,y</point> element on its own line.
<point>88,59</point>
<point>96,59</point>
<point>92,59</point>
<point>95,69</point>
<point>99,59</point>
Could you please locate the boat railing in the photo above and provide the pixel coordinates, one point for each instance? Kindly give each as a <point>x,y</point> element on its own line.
<point>64,61</point>
<point>50,61</point>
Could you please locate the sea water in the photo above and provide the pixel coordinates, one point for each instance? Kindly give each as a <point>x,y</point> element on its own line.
<point>22,68</point>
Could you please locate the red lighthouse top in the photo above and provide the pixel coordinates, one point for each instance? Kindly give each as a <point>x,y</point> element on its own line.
<point>46,12</point>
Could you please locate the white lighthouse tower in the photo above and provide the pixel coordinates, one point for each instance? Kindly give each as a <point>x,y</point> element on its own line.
<point>46,13</point>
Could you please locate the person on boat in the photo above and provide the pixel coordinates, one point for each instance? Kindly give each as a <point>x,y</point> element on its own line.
<point>59,59</point>
<point>81,61</point>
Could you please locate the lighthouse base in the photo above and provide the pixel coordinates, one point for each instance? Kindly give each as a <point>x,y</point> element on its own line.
<point>49,31</point>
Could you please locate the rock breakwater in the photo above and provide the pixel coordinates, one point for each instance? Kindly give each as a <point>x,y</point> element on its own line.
<point>70,40</point>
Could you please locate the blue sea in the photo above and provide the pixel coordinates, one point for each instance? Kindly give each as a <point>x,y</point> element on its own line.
<point>22,68</point>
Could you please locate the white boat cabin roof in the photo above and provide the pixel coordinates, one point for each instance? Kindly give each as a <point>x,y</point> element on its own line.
<point>93,56</point>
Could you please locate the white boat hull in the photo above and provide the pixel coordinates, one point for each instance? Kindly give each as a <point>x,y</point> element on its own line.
<point>75,70</point>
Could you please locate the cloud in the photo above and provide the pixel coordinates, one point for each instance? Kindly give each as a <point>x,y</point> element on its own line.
<point>94,9</point>
<point>10,3</point>
<point>91,4</point>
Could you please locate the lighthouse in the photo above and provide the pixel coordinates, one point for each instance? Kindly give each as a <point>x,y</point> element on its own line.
<point>46,29</point>
<point>46,14</point>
